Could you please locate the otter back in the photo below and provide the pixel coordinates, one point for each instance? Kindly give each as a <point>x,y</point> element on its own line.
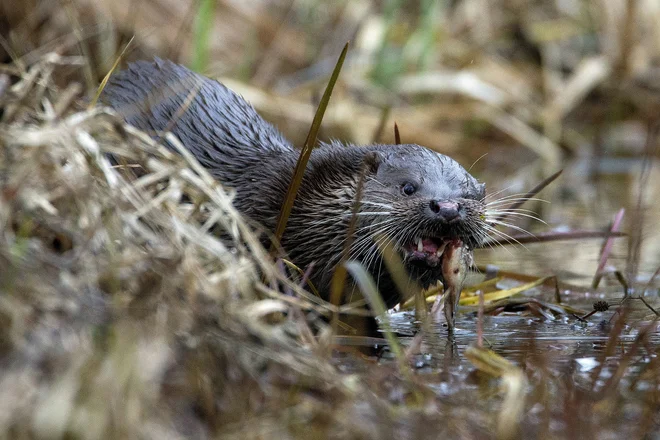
<point>220,128</point>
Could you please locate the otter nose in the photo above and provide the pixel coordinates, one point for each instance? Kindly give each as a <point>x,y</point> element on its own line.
<point>447,211</point>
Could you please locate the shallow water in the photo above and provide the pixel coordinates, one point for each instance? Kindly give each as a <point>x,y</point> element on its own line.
<point>563,341</point>
<point>573,388</point>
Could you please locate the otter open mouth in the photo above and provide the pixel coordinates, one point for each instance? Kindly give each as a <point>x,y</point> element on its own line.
<point>425,251</point>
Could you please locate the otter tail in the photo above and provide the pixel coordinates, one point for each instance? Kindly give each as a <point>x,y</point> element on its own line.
<point>213,122</point>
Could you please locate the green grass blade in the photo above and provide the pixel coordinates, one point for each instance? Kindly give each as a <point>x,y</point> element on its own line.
<point>203,26</point>
<point>92,104</point>
<point>307,148</point>
<point>368,288</point>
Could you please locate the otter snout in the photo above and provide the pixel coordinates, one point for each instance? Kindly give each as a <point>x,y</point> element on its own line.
<point>446,211</point>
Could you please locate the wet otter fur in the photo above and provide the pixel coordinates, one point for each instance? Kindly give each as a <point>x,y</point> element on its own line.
<point>412,196</point>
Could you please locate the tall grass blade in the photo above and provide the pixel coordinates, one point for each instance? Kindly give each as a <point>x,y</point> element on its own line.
<point>307,148</point>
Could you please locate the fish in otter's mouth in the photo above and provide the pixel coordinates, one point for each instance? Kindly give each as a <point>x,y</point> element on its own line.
<point>425,251</point>
<point>462,227</point>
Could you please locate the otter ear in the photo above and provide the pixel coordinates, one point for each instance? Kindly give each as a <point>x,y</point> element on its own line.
<point>372,161</point>
<point>482,191</point>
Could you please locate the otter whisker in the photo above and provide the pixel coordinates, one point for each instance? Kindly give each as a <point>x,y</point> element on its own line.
<point>326,221</point>
<point>363,246</point>
<point>493,215</point>
<point>515,210</point>
<point>512,226</point>
<point>365,214</point>
<point>511,201</point>
<point>482,235</point>
<point>389,232</point>
<point>499,232</point>
<point>493,194</point>
<point>483,239</point>
<point>508,196</point>
<point>531,193</point>
<point>367,254</point>
<point>375,198</point>
<point>381,205</point>
<point>371,179</point>
<point>369,227</point>
<point>378,238</point>
<point>506,237</point>
<point>366,240</point>
<point>493,218</point>
<point>496,213</point>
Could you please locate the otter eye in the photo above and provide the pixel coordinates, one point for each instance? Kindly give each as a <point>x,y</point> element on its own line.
<point>408,189</point>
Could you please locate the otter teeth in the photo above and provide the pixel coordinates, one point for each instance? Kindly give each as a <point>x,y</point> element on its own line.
<point>420,246</point>
<point>441,249</point>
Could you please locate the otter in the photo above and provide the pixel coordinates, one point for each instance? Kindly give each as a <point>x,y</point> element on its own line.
<point>416,198</point>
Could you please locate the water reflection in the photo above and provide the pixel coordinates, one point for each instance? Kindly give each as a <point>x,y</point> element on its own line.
<point>561,345</point>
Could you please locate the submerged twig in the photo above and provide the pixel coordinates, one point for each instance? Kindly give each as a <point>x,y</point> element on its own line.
<point>635,241</point>
<point>607,248</point>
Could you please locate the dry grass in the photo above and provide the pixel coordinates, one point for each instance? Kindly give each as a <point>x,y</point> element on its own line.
<point>123,317</point>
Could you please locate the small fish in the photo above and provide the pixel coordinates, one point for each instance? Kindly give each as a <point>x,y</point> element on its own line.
<point>455,263</point>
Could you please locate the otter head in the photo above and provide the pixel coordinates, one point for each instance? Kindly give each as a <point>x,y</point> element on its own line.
<point>419,201</point>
